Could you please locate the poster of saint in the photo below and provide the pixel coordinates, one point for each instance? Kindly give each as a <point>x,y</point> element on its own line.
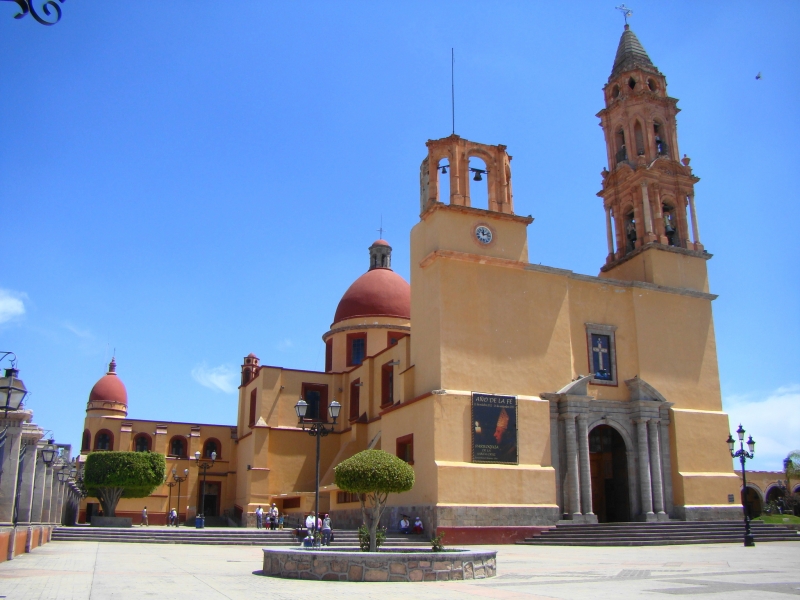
<point>494,429</point>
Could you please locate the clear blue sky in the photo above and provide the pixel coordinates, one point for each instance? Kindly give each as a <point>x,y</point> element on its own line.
<point>189,182</point>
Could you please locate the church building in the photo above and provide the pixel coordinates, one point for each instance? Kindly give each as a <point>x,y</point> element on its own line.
<point>521,394</point>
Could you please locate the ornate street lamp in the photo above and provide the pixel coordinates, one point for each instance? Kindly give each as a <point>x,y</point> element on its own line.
<point>27,6</point>
<point>317,429</point>
<point>179,480</point>
<point>743,455</point>
<point>205,466</point>
<point>49,453</point>
<point>170,485</point>
<point>12,390</point>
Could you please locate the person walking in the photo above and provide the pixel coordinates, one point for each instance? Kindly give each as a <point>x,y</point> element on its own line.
<point>326,530</point>
<point>259,517</point>
<point>173,517</point>
<point>144,517</point>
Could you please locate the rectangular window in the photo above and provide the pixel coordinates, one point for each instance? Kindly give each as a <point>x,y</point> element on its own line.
<point>252,420</point>
<point>387,385</point>
<point>602,353</point>
<point>355,396</point>
<point>328,355</point>
<point>393,337</point>
<point>405,448</point>
<point>356,348</point>
<point>346,497</point>
<point>316,395</point>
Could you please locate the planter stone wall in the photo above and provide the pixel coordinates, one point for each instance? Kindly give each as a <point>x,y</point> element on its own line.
<point>112,521</point>
<point>386,565</point>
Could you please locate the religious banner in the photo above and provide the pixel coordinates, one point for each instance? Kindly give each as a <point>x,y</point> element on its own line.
<point>494,429</point>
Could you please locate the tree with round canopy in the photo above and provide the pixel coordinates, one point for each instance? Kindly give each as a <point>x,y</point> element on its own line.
<point>373,475</point>
<point>109,476</point>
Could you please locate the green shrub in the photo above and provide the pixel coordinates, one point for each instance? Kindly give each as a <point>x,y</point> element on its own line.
<point>437,543</point>
<point>363,537</point>
<point>109,476</point>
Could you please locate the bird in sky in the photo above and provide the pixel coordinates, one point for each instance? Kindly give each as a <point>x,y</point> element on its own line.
<point>759,75</point>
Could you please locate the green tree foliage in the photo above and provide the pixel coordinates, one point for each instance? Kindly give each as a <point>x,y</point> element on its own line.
<point>373,475</point>
<point>109,476</point>
<point>791,466</point>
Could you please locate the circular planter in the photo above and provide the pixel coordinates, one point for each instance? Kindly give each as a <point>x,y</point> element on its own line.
<point>390,564</point>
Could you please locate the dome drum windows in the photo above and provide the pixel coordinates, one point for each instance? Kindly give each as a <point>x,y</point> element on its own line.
<point>211,446</point>
<point>142,443</point>
<point>104,440</point>
<point>177,446</point>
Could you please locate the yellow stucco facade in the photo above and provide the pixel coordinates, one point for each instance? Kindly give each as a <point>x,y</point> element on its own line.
<point>614,378</point>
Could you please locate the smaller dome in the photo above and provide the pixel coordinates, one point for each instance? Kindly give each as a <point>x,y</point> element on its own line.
<point>109,387</point>
<point>380,243</point>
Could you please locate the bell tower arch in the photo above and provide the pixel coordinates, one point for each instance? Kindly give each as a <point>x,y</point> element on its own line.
<point>648,193</point>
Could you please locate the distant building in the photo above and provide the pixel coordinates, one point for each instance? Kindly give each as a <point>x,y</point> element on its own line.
<point>521,394</point>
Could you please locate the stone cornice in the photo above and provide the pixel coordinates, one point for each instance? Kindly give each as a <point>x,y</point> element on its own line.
<point>436,206</point>
<point>330,332</point>
<point>515,264</point>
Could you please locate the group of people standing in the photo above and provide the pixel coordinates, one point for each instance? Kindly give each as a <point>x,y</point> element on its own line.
<point>272,518</point>
<point>323,525</point>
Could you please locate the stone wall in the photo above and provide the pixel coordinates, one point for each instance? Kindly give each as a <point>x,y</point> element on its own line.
<point>335,565</point>
<point>453,516</point>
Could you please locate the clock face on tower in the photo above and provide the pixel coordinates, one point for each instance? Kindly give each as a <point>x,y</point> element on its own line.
<point>483,234</point>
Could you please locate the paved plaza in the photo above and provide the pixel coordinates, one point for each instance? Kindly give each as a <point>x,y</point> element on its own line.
<point>83,570</point>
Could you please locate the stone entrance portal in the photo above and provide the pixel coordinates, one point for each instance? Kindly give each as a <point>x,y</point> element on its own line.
<point>609,468</point>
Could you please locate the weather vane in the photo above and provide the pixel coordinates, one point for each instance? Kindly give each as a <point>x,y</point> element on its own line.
<point>626,12</point>
<point>49,7</point>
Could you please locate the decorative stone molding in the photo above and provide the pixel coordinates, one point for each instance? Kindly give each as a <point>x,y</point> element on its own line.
<point>385,565</point>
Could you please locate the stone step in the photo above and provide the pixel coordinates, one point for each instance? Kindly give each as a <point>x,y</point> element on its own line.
<point>662,533</point>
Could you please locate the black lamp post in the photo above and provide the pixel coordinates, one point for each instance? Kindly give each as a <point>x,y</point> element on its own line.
<point>743,455</point>
<point>317,429</point>
<point>179,480</point>
<point>205,466</point>
<point>12,390</point>
<point>49,453</point>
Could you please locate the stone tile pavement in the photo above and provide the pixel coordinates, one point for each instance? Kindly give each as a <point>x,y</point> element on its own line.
<point>89,570</point>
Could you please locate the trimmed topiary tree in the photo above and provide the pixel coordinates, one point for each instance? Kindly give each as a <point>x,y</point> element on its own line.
<point>373,475</point>
<point>109,476</point>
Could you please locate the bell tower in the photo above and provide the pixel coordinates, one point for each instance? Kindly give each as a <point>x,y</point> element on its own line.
<point>648,193</point>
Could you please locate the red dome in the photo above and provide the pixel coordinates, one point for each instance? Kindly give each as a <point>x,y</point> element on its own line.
<point>380,243</point>
<point>377,293</point>
<point>109,388</point>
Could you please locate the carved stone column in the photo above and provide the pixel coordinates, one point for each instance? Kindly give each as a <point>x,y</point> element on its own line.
<point>695,226</point>
<point>648,219</point>
<point>38,487</point>
<point>10,465</point>
<point>655,468</point>
<point>644,469</point>
<point>26,481</point>
<point>573,484</point>
<point>47,493</point>
<point>585,472</point>
<point>609,232</point>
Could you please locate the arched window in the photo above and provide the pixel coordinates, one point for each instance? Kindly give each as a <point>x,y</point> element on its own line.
<point>212,445</point>
<point>662,149</point>
<point>177,446</point>
<point>142,443</point>
<point>86,444</point>
<point>104,440</point>
<point>478,183</point>
<point>622,153</point>
<point>630,231</point>
<point>670,224</point>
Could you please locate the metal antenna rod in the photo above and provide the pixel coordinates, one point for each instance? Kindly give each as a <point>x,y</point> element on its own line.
<point>453,87</point>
